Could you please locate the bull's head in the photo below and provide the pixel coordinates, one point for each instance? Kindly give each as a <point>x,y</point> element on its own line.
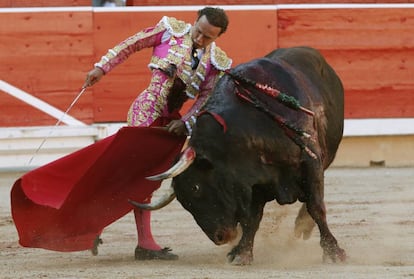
<point>204,188</point>
<point>194,186</point>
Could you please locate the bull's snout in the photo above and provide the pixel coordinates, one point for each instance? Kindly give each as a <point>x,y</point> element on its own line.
<point>224,236</point>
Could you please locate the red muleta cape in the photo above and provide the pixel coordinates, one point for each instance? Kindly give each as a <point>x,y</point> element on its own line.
<point>65,204</point>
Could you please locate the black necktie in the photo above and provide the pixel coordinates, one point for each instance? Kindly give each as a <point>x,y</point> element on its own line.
<point>195,61</point>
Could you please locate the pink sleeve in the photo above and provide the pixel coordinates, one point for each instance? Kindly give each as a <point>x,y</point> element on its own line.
<point>149,37</point>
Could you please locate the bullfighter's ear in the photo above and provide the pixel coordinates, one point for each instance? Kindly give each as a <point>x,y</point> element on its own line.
<point>203,164</point>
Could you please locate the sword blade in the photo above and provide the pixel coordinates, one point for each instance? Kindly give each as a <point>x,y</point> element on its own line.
<point>57,124</point>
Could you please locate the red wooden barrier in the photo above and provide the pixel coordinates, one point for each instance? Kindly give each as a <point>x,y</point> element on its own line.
<point>44,54</point>
<point>371,49</point>
<point>48,55</point>
<point>43,3</point>
<point>64,3</point>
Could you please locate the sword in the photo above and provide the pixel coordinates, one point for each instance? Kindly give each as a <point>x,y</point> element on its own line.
<point>57,123</point>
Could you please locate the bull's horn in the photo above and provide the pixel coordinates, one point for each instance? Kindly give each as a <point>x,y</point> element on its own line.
<point>163,201</point>
<point>187,157</point>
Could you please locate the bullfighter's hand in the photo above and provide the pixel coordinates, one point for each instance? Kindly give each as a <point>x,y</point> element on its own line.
<point>93,77</point>
<point>177,127</point>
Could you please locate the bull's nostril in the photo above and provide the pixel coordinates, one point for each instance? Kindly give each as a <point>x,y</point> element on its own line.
<point>219,237</point>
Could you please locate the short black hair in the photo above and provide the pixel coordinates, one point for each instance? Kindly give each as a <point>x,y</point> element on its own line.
<point>216,17</point>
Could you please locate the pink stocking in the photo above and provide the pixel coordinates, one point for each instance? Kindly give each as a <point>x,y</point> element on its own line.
<point>143,222</point>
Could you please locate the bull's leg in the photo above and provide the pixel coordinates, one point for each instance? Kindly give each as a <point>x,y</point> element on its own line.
<point>242,253</point>
<point>304,223</point>
<point>316,208</point>
<point>328,242</point>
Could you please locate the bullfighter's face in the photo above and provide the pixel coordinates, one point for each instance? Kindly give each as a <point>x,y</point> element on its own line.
<point>203,33</point>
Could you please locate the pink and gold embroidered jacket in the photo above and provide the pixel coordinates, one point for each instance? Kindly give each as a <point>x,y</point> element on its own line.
<point>172,44</point>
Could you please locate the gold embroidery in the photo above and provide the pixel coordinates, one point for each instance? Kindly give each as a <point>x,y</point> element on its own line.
<point>199,75</point>
<point>220,60</point>
<point>176,27</point>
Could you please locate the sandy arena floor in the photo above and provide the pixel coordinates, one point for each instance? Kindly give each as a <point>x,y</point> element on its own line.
<point>370,211</point>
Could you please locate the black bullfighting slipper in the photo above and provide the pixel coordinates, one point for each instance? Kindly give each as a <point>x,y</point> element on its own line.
<point>163,254</point>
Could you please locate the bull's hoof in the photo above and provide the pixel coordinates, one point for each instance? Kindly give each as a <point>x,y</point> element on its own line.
<point>240,259</point>
<point>334,254</point>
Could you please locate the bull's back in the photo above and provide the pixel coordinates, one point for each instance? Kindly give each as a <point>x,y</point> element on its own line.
<point>329,87</point>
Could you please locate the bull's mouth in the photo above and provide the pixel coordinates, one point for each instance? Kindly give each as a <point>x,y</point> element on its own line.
<point>223,236</point>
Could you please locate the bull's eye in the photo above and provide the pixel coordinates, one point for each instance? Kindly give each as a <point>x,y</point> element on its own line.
<point>196,188</point>
<point>196,191</point>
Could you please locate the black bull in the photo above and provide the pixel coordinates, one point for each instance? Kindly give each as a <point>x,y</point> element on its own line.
<point>247,155</point>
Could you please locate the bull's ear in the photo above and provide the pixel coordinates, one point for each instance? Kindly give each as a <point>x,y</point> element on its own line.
<point>203,164</point>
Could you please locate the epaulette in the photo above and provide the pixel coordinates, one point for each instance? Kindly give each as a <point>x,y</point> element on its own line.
<point>176,27</point>
<point>219,58</point>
